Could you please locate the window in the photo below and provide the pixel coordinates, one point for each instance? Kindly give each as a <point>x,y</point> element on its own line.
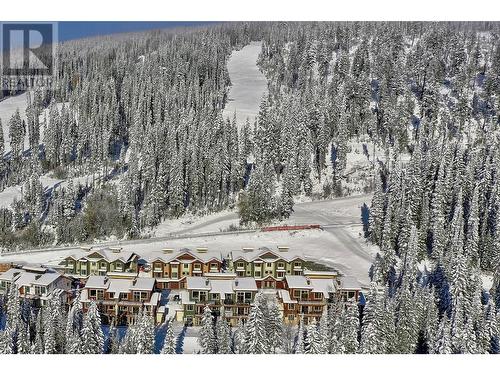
<point>296,293</point>
<point>257,273</point>
<point>213,265</point>
<point>196,294</point>
<point>241,264</point>
<point>92,292</point>
<point>139,296</point>
<point>197,266</point>
<point>291,317</point>
<point>186,266</point>
<point>297,264</point>
<point>189,307</point>
<point>351,294</point>
<point>103,265</point>
<point>281,265</point>
<point>317,308</point>
<point>83,271</point>
<point>214,296</point>
<point>269,265</point>
<point>318,295</point>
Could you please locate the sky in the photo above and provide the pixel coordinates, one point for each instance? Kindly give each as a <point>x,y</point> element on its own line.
<point>77,30</point>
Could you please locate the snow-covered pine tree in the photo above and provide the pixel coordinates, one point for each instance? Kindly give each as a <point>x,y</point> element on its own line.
<point>92,335</point>
<point>169,344</point>
<point>207,339</point>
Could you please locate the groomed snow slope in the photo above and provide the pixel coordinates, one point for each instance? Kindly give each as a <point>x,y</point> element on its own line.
<point>248,84</point>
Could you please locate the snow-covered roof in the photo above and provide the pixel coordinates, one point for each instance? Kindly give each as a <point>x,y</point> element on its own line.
<point>200,283</point>
<point>184,294</point>
<point>11,274</point>
<point>221,287</point>
<point>349,282</point>
<point>264,254</point>
<point>119,286</point>
<point>106,254</point>
<point>97,282</point>
<point>155,298</point>
<point>195,257</point>
<point>245,283</point>
<point>34,268</point>
<point>143,283</point>
<point>298,282</point>
<point>321,273</point>
<point>46,279</point>
<point>324,286</point>
<point>285,296</point>
<point>25,279</point>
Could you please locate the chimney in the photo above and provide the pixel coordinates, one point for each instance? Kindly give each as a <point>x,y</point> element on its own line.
<point>207,282</point>
<point>201,250</point>
<point>168,251</point>
<point>116,249</point>
<point>283,249</point>
<point>247,249</point>
<point>235,282</point>
<point>86,248</point>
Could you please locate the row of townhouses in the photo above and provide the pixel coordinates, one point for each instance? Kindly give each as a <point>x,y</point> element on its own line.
<point>179,284</point>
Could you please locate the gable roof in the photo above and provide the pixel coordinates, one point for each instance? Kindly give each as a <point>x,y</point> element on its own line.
<point>46,279</point>
<point>11,274</point>
<point>104,253</point>
<point>245,283</point>
<point>298,282</point>
<point>184,256</point>
<point>200,283</point>
<point>143,283</point>
<point>325,286</point>
<point>97,282</point>
<point>349,282</point>
<point>264,254</point>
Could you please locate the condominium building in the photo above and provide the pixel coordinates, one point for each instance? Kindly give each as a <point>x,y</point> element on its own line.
<point>100,262</point>
<point>268,267</point>
<point>38,287</point>
<point>121,299</point>
<point>171,268</point>
<point>228,297</point>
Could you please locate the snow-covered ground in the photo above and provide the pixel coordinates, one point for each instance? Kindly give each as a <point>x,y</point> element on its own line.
<point>340,244</point>
<point>248,84</point>
<point>10,193</point>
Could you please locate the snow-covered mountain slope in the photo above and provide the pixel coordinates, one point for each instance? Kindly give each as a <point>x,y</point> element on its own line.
<point>248,84</point>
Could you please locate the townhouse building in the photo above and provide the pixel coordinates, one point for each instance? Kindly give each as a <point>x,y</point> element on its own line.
<point>310,296</point>
<point>100,262</point>
<point>38,287</point>
<point>307,298</point>
<point>268,267</point>
<point>121,299</point>
<point>229,297</point>
<point>171,268</point>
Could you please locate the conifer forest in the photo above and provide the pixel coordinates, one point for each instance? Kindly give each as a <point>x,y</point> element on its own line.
<point>137,135</point>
